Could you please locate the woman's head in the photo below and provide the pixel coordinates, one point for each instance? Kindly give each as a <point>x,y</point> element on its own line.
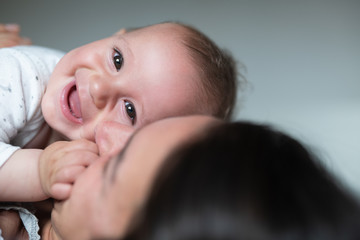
<point>107,195</point>
<point>246,181</point>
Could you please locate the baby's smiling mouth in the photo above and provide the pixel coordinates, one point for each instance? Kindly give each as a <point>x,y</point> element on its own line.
<point>70,103</point>
<point>74,102</point>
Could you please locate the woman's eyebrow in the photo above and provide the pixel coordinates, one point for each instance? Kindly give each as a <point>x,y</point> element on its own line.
<point>119,158</point>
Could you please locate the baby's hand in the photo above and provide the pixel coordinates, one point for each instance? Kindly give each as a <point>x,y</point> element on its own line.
<point>9,36</point>
<point>62,162</point>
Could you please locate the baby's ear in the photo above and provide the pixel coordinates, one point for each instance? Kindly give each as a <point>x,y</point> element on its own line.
<point>121,31</point>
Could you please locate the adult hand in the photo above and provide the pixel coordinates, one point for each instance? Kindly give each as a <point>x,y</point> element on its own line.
<point>10,36</point>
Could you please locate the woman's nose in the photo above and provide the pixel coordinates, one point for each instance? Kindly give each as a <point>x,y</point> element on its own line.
<point>101,91</point>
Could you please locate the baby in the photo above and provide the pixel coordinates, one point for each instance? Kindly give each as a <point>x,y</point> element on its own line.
<point>131,78</point>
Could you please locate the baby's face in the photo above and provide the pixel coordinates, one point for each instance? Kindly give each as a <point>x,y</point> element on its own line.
<point>132,78</point>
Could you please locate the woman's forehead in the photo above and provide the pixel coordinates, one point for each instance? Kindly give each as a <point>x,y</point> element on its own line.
<point>157,139</point>
<point>179,128</point>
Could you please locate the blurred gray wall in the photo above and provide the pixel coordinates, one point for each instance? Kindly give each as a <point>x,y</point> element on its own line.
<point>302,57</point>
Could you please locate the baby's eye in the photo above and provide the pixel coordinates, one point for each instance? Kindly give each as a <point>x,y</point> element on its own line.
<point>118,59</point>
<point>130,110</point>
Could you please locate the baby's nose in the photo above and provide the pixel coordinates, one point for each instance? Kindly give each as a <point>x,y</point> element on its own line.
<point>101,91</point>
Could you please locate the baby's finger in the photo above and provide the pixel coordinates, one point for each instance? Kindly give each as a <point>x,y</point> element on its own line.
<point>76,158</point>
<point>75,145</point>
<point>65,147</point>
<point>61,191</point>
<point>85,158</point>
<point>69,174</point>
<point>83,144</point>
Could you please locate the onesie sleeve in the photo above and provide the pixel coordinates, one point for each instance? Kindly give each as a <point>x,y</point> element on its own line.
<point>24,72</point>
<point>12,110</point>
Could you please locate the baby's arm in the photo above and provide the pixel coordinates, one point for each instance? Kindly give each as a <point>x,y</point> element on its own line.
<point>31,175</point>
<point>19,177</point>
<point>62,162</point>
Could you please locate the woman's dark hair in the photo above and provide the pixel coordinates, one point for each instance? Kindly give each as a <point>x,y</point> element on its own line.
<point>246,181</point>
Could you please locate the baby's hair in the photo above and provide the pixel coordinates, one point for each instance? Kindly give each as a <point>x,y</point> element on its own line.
<point>217,70</point>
